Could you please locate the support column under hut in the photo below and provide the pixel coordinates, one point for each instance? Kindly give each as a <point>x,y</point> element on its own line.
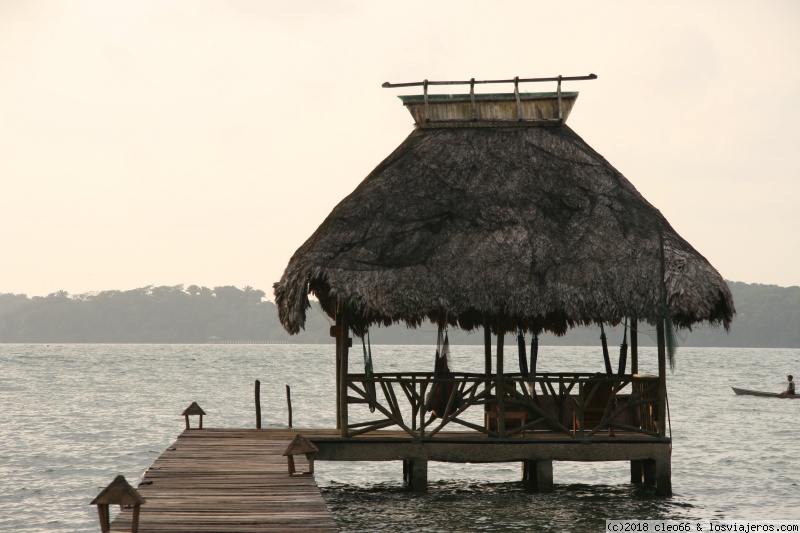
<point>537,476</point>
<point>415,474</point>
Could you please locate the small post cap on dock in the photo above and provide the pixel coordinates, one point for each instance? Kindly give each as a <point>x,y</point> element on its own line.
<point>301,445</point>
<point>194,409</point>
<point>118,492</point>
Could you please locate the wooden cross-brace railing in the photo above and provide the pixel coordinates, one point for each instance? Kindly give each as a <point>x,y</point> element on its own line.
<point>564,405</point>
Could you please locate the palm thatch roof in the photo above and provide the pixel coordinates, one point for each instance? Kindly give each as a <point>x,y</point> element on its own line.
<point>468,224</point>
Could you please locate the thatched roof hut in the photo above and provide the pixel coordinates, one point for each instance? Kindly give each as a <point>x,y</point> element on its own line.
<point>468,221</point>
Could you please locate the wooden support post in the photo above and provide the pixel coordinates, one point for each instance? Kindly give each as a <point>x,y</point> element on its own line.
<point>662,379</point>
<point>289,403</point>
<point>135,519</point>
<point>637,472</point>
<point>487,358</point>
<point>336,332</point>
<point>662,344</point>
<point>258,404</point>
<point>105,521</point>
<point>343,370</point>
<point>415,474</point>
<point>421,410</point>
<point>499,387</point>
<point>634,347</point>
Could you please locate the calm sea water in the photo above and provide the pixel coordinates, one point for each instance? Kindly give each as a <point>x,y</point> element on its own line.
<point>72,417</point>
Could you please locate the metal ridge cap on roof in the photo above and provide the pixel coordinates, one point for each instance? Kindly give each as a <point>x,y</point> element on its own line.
<point>497,97</point>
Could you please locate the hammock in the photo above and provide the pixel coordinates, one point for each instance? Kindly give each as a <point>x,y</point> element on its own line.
<point>606,357</point>
<point>369,383</point>
<point>523,358</point>
<point>439,396</point>
<point>623,352</point>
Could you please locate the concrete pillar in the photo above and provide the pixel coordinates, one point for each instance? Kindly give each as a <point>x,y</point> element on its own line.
<point>544,476</point>
<point>649,471</point>
<point>529,474</point>
<point>663,474</point>
<point>415,475</point>
<point>537,475</point>
<point>637,472</point>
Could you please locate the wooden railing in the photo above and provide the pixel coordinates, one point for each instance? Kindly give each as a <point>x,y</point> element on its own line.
<point>560,405</point>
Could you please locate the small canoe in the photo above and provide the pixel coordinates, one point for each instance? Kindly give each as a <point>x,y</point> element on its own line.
<point>746,392</point>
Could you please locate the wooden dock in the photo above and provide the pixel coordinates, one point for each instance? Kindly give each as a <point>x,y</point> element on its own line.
<point>227,480</point>
<point>236,480</point>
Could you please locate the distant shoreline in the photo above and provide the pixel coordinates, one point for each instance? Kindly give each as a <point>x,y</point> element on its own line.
<point>767,317</point>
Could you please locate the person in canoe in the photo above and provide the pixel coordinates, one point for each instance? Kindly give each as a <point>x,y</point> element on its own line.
<point>789,387</point>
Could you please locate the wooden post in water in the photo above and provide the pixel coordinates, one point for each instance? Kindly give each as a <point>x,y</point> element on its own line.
<point>258,404</point>
<point>289,403</point>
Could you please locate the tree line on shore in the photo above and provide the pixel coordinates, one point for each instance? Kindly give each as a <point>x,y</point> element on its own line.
<point>767,316</point>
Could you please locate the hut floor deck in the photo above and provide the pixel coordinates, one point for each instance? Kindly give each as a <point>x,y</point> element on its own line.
<point>226,481</point>
<point>475,447</point>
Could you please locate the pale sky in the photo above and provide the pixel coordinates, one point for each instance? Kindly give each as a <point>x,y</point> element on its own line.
<point>202,142</point>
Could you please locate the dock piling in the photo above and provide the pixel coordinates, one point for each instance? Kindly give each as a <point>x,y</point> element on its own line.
<point>258,404</point>
<point>289,403</point>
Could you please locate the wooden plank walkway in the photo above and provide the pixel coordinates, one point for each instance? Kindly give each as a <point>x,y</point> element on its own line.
<point>228,480</point>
